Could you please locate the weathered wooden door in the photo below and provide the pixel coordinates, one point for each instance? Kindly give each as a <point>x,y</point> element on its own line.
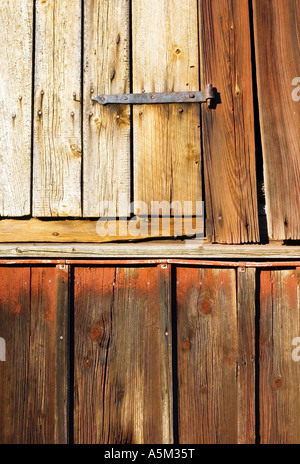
<point>149,352</point>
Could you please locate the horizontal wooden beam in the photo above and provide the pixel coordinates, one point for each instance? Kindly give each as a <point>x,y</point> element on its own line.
<point>154,249</point>
<point>95,231</point>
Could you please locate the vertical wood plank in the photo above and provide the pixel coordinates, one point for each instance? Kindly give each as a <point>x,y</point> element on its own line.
<point>276,26</point>
<point>34,322</point>
<point>246,313</point>
<point>123,387</point>
<point>15,329</point>
<point>16,33</point>
<point>228,131</point>
<point>106,130</point>
<point>279,373</point>
<point>212,374</point>
<point>57,109</point>
<point>167,152</point>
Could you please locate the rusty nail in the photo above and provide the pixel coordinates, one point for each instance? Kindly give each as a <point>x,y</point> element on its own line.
<point>143,90</point>
<point>91,114</point>
<point>72,114</point>
<point>42,92</point>
<point>153,97</point>
<point>125,98</point>
<point>13,115</point>
<point>20,97</point>
<point>40,113</point>
<point>92,90</point>
<point>181,110</point>
<point>164,266</point>
<point>55,234</point>
<point>192,95</point>
<point>74,94</point>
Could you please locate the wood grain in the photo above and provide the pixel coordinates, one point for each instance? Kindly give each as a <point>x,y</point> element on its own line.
<point>147,249</point>
<point>246,313</point>
<point>212,376</point>
<point>57,109</point>
<point>276,26</point>
<point>279,373</point>
<point>16,34</point>
<point>123,388</point>
<point>34,323</point>
<point>91,231</point>
<point>106,130</point>
<point>228,131</point>
<point>166,138</point>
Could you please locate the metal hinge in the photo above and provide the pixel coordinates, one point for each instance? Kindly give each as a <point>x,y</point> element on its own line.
<point>151,98</point>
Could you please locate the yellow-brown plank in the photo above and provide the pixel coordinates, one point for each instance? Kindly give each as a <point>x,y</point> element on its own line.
<point>57,109</point>
<point>167,154</point>
<point>212,382</point>
<point>16,19</point>
<point>228,131</point>
<point>36,230</point>
<point>123,385</point>
<point>106,130</point>
<point>34,377</point>
<point>277,27</point>
<point>279,372</point>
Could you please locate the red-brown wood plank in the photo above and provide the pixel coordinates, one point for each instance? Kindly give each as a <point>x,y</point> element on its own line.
<point>215,369</point>
<point>123,387</point>
<point>277,47</point>
<point>279,373</point>
<point>228,130</point>
<point>33,322</point>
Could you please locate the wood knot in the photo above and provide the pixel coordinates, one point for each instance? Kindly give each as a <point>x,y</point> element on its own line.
<point>206,307</point>
<point>177,51</point>
<point>87,363</point>
<point>95,334</point>
<point>76,150</point>
<point>277,383</point>
<point>186,345</point>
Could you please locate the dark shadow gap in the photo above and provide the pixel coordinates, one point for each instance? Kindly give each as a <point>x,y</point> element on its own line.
<point>262,217</point>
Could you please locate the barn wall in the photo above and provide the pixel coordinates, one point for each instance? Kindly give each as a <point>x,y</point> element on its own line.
<point>153,353</point>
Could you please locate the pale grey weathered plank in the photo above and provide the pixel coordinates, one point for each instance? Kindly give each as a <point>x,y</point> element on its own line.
<point>167,249</point>
<point>16,19</point>
<point>57,110</point>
